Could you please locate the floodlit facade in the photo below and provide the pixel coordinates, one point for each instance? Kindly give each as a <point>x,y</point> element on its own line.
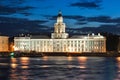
<point>4,44</point>
<point>60,41</point>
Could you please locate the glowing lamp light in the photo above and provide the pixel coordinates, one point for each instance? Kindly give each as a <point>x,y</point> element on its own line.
<point>12,55</point>
<point>15,48</point>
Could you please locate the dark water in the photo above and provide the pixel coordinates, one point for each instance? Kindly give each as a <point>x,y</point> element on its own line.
<point>60,68</point>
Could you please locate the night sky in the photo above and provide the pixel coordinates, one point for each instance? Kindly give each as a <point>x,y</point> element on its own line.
<point>25,16</point>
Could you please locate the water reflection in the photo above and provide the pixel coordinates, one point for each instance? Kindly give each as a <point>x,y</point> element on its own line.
<point>118,62</point>
<point>118,59</point>
<point>69,58</point>
<point>82,59</point>
<point>24,62</point>
<point>83,66</point>
<point>118,69</point>
<point>63,68</point>
<point>13,63</point>
<point>82,62</point>
<point>45,58</point>
<point>18,66</point>
<point>4,68</point>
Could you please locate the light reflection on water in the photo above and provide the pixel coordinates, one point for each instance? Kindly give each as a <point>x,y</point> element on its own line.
<point>13,63</point>
<point>24,62</point>
<point>118,70</point>
<point>60,68</point>
<point>82,62</point>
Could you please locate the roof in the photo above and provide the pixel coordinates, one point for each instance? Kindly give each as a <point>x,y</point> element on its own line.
<point>76,37</point>
<point>39,37</point>
<point>4,37</point>
<point>87,37</point>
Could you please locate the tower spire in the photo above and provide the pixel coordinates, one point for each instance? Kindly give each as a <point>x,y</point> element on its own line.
<point>59,17</point>
<point>59,13</point>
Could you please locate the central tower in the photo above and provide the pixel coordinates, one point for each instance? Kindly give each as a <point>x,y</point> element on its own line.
<point>59,28</point>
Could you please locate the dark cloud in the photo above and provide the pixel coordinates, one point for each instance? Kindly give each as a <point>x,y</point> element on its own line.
<point>80,23</point>
<point>50,17</point>
<point>111,25</point>
<point>81,20</point>
<point>75,17</point>
<point>115,29</point>
<point>116,20</point>
<point>99,19</point>
<point>12,26</point>
<point>26,13</point>
<point>16,2</point>
<point>12,2</point>
<point>8,7</point>
<point>65,17</point>
<point>110,28</point>
<point>5,10</point>
<point>87,4</point>
<point>104,19</point>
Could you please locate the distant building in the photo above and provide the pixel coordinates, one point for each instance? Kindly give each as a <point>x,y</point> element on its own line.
<point>60,41</point>
<point>4,44</point>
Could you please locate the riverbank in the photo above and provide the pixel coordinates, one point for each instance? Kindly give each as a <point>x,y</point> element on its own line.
<point>41,54</point>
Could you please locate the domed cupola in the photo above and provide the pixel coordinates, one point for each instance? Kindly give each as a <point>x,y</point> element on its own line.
<point>59,17</point>
<point>59,28</point>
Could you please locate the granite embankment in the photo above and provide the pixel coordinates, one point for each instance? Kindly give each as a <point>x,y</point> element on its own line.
<point>41,54</point>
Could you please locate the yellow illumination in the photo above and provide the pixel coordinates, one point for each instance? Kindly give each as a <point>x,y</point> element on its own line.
<point>24,60</point>
<point>82,62</point>
<point>118,59</point>
<point>24,67</point>
<point>82,66</point>
<point>69,58</point>
<point>13,60</point>
<point>45,58</point>
<point>13,65</point>
<point>15,48</point>
<point>82,59</point>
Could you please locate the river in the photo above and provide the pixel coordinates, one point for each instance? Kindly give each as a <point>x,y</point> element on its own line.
<point>60,68</point>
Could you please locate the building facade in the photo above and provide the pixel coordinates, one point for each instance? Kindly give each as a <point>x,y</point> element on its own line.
<point>4,44</point>
<point>60,41</point>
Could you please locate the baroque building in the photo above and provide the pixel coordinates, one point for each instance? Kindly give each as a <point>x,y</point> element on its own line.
<point>4,44</point>
<point>60,41</point>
